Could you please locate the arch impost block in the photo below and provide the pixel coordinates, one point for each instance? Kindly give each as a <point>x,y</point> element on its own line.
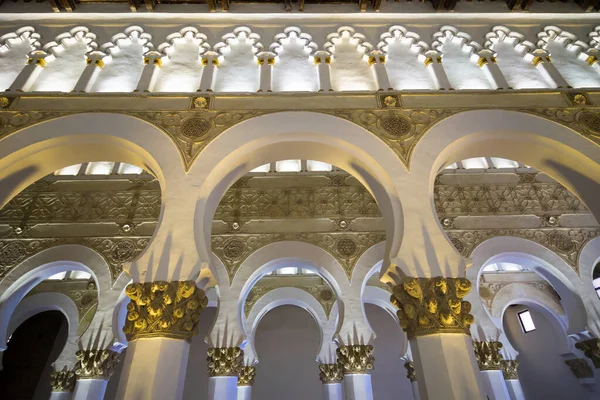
<point>591,349</point>
<point>246,375</point>
<point>330,373</point>
<point>356,359</point>
<point>225,361</point>
<point>428,306</point>
<point>488,355</point>
<point>163,309</point>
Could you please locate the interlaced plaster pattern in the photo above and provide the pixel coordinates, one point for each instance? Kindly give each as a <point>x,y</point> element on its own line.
<point>124,61</point>
<point>181,64</point>
<point>14,48</point>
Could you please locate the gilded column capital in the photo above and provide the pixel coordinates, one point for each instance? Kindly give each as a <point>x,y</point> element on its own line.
<point>163,309</point>
<point>488,355</point>
<point>246,376</point>
<point>410,371</point>
<point>330,373</point>
<point>428,306</point>
<point>580,368</point>
<point>510,369</point>
<point>95,364</point>
<point>224,361</point>
<point>591,349</point>
<point>356,359</point>
<point>62,381</point>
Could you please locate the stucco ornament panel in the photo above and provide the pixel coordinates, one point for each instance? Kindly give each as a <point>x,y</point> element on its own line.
<point>224,361</point>
<point>163,309</point>
<point>96,364</point>
<point>356,359</point>
<point>488,355</point>
<point>567,243</point>
<point>400,129</point>
<point>489,290</point>
<point>510,369</point>
<point>330,373</point>
<point>62,381</point>
<point>433,305</point>
<point>346,247</point>
<point>193,130</point>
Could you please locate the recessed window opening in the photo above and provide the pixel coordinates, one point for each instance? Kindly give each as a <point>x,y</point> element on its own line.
<point>526,321</point>
<point>288,166</point>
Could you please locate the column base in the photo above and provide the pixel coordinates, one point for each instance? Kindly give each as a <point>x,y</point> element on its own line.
<point>494,385</point>
<point>90,389</point>
<point>154,369</point>
<point>358,387</point>
<point>222,388</point>
<point>333,391</point>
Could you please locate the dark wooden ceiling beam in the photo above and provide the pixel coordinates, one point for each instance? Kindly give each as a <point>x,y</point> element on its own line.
<point>588,5</point>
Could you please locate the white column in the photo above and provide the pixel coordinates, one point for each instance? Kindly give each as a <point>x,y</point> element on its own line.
<point>541,60</point>
<point>60,395</point>
<point>433,63</point>
<point>90,73</point>
<point>411,375</point>
<point>29,73</point>
<point>377,63</point>
<point>487,62</point>
<point>358,387</point>
<point>515,390</point>
<point>415,389</point>
<point>266,60</point>
<point>323,61</point>
<point>332,391</point>
<point>446,368</point>
<point>222,388</point>
<point>244,392</point>
<point>152,64</point>
<point>154,369</point>
<point>210,63</point>
<point>494,384</point>
<point>90,389</point>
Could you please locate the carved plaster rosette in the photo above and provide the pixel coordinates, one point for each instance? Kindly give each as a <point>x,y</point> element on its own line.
<point>510,369</point>
<point>433,305</point>
<point>224,361</point>
<point>488,355</point>
<point>62,381</point>
<point>356,359</point>
<point>330,373</point>
<point>163,309</point>
<point>410,371</point>
<point>95,364</point>
<point>246,376</point>
<point>591,348</point>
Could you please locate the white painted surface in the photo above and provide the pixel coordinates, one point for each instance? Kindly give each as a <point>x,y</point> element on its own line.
<point>358,387</point>
<point>60,395</point>
<point>89,389</point>
<point>222,388</point>
<point>244,393</point>
<point>333,391</point>
<point>515,390</point>
<point>494,385</point>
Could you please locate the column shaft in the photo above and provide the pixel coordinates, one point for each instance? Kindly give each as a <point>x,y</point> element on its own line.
<point>265,65</point>
<point>415,389</point>
<point>28,74</point>
<point>322,61</point>
<point>244,393</point>
<point>332,391</point>
<point>88,76</point>
<point>90,389</point>
<point>152,64</point>
<point>433,63</point>
<point>358,387</point>
<point>487,62</point>
<point>154,369</point>
<point>515,390</point>
<point>494,385</point>
<point>60,395</point>
<point>222,387</point>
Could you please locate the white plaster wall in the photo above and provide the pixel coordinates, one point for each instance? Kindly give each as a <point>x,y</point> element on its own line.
<point>349,68</point>
<point>182,67</point>
<point>576,71</point>
<point>122,70</point>
<point>62,73</point>
<point>405,70</point>
<point>12,61</point>
<point>542,371</point>
<point>519,73</point>
<point>462,72</point>
<point>294,69</point>
<point>238,71</point>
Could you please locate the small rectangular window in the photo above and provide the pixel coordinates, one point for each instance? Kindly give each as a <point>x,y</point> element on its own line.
<point>526,321</point>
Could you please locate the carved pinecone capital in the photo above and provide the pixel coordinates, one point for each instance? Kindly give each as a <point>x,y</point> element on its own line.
<point>580,368</point>
<point>488,355</point>
<point>246,376</point>
<point>591,349</point>
<point>510,369</point>
<point>433,305</point>
<point>330,373</point>
<point>356,359</point>
<point>224,361</point>
<point>95,364</point>
<point>410,371</point>
<point>163,309</point>
<point>62,381</point>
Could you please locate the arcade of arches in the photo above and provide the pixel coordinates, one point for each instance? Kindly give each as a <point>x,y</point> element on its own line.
<point>311,205</point>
